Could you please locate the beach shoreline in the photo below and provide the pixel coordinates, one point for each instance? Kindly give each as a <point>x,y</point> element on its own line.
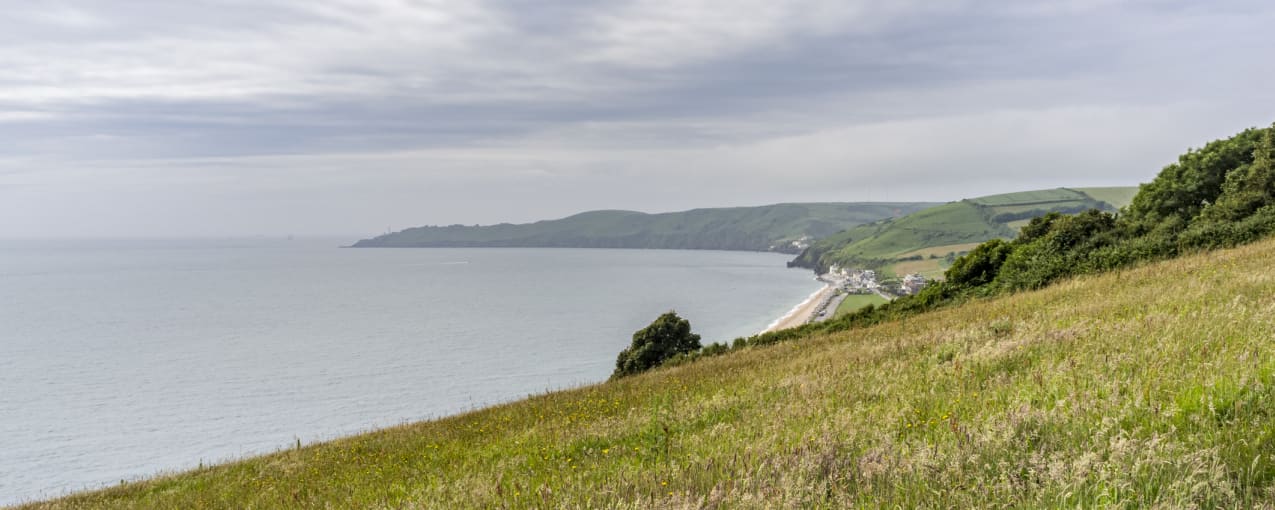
<point>804,312</point>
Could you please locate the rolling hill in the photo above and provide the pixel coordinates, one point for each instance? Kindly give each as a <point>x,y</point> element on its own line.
<point>764,228</point>
<point>921,241</point>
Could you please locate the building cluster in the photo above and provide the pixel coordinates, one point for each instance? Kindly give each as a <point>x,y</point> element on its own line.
<point>912,284</point>
<point>803,242</point>
<point>854,281</point>
<point>864,281</point>
<point>794,246</point>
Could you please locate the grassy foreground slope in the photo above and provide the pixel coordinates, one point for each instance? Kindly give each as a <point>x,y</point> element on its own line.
<point>879,245</point>
<point>1146,387</point>
<point>763,228</point>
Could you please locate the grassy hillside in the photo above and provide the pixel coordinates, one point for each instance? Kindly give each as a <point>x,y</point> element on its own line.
<point>854,302</point>
<point>765,228</point>
<point>1116,196</point>
<point>1147,387</point>
<point>954,226</point>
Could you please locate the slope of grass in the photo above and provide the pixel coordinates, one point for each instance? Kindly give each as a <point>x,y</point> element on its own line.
<point>1116,196</point>
<point>877,245</point>
<point>854,302</point>
<point>1031,197</point>
<point>929,268</point>
<point>942,251</point>
<point>770,227</point>
<point>1149,387</point>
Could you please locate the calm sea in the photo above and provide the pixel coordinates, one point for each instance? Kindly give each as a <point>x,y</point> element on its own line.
<point>123,359</point>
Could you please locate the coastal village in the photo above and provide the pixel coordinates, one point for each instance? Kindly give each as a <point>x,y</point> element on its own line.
<point>844,282</point>
<point>841,283</point>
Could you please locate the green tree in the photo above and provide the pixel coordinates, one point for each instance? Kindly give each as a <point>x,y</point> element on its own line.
<point>1054,249</point>
<point>668,336</point>
<point>1248,187</point>
<point>1186,187</point>
<point>979,266</point>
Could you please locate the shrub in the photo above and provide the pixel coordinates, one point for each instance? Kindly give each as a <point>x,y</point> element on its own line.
<point>667,337</point>
<point>979,266</point>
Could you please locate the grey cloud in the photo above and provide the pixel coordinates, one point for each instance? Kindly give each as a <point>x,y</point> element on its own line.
<point>567,102</point>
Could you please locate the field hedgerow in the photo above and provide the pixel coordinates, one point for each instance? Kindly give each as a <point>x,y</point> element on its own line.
<point>1147,387</point>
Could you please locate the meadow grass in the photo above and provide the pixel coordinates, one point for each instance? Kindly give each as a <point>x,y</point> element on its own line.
<point>854,302</point>
<point>1032,197</point>
<point>929,268</point>
<point>942,251</point>
<point>1149,387</point>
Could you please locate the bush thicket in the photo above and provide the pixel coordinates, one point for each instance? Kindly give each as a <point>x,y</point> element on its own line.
<point>669,336</point>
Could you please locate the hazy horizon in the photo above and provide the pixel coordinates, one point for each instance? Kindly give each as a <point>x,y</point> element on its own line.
<point>336,118</point>
<point>357,236</point>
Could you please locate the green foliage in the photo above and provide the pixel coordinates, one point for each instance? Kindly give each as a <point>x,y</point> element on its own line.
<point>667,337</point>
<point>1222,195</point>
<point>765,228</point>
<point>1247,188</point>
<point>1037,227</point>
<point>1051,249</point>
<point>714,349</point>
<point>980,266</point>
<point>1012,216</point>
<point>1178,194</point>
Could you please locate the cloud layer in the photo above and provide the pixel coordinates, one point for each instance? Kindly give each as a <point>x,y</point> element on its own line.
<point>152,118</point>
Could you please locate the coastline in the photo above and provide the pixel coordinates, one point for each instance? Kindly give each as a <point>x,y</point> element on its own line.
<point>804,311</point>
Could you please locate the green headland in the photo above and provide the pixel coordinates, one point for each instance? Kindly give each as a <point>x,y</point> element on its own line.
<point>786,228</point>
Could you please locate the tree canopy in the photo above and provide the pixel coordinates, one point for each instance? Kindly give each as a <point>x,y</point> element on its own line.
<point>669,336</point>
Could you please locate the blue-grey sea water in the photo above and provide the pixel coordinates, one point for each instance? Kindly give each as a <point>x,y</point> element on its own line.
<point>124,359</point>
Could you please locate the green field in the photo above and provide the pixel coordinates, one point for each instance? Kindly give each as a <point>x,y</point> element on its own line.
<point>940,251</point>
<point>1146,388</point>
<point>877,245</point>
<point>1033,197</point>
<point>1116,196</point>
<point>929,268</point>
<point>854,302</point>
<point>953,223</point>
<point>1017,225</point>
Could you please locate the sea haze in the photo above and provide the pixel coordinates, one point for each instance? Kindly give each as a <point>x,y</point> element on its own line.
<point>121,359</point>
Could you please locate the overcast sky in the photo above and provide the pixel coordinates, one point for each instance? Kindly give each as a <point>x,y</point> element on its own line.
<point>274,117</point>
